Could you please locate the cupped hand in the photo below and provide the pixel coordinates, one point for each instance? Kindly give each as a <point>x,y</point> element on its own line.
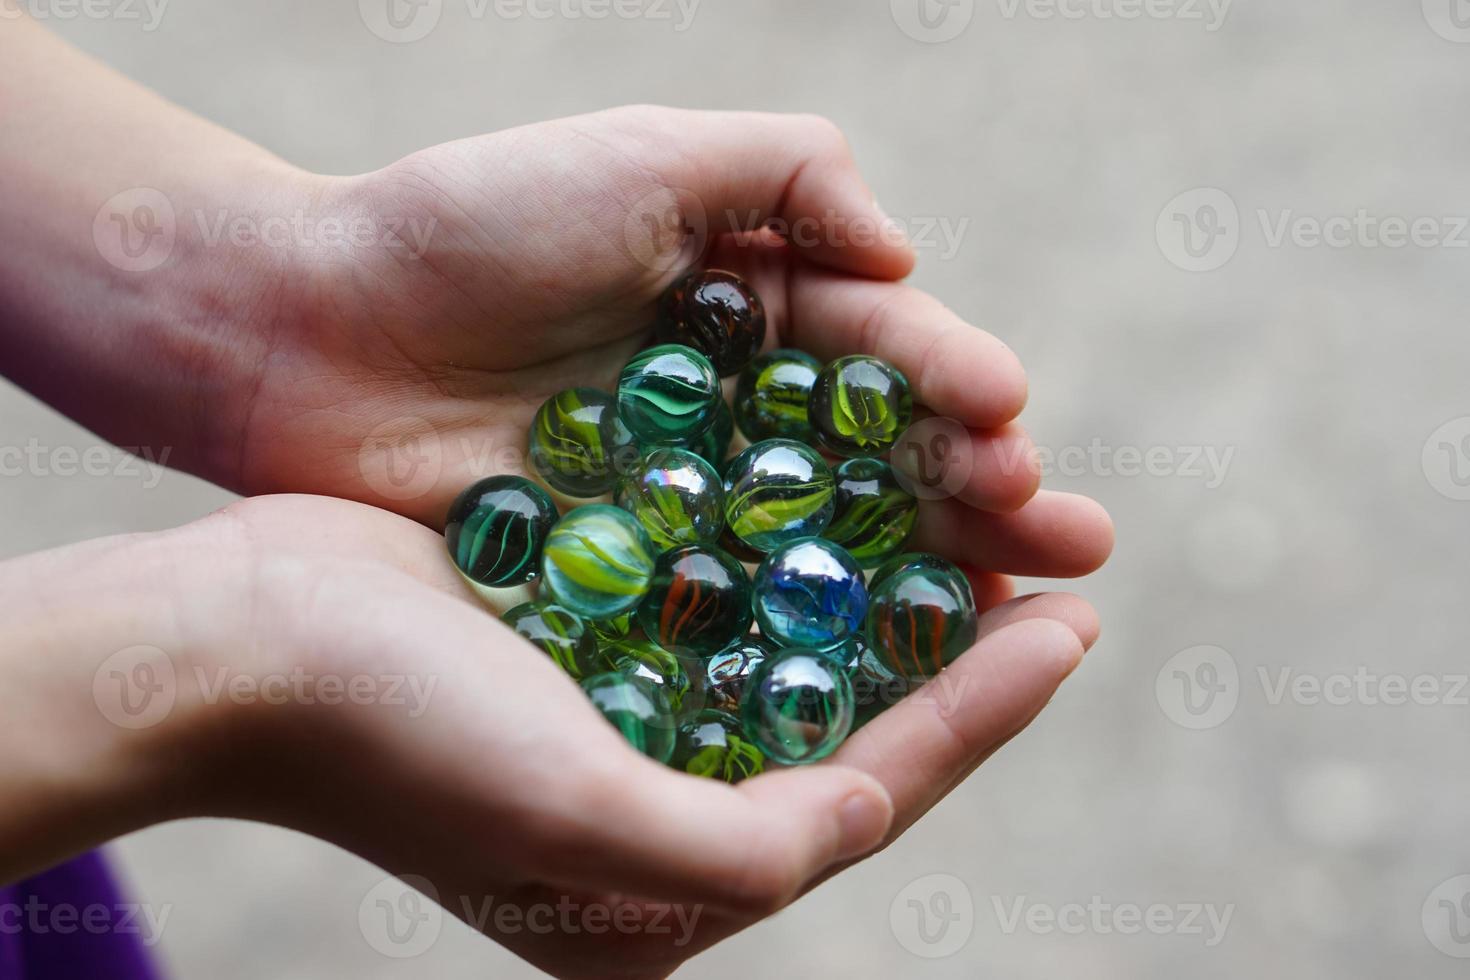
<point>514,265</point>
<point>484,771</point>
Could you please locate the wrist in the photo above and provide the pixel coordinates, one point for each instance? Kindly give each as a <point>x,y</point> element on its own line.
<point>105,726</point>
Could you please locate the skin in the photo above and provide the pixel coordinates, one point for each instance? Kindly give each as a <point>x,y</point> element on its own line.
<point>316,369</point>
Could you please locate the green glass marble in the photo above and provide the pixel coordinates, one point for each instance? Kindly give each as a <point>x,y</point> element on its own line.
<point>727,672</point>
<point>716,313</point>
<point>798,706</point>
<point>777,491</point>
<point>810,593</point>
<point>712,744</point>
<point>860,406</point>
<point>598,561</point>
<point>874,515</point>
<point>578,444</point>
<point>612,630</point>
<point>909,559</point>
<point>676,496</point>
<point>496,530</point>
<point>638,709</point>
<point>741,551</point>
<point>699,602</point>
<point>646,659</point>
<point>875,687</point>
<point>668,394</point>
<point>921,616</point>
<point>772,394</point>
<point>714,445</point>
<point>560,633</point>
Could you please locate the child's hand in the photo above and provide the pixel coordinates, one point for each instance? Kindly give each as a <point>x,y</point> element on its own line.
<point>398,378</point>
<point>463,756</point>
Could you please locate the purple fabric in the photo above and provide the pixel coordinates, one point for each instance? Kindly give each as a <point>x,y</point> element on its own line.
<point>71,923</point>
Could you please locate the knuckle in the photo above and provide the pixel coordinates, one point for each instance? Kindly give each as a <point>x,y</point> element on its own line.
<point>767,883</point>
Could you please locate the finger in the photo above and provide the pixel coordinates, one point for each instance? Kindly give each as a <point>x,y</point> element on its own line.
<point>957,370</point>
<point>989,589</point>
<point>646,830</point>
<point>922,745</point>
<point>1072,611</point>
<point>748,168</point>
<point>1055,535</point>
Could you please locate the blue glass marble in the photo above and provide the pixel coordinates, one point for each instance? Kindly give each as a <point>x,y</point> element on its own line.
<point>810,593</point>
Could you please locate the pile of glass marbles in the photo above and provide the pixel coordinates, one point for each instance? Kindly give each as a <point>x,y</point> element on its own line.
<point>650,602</point>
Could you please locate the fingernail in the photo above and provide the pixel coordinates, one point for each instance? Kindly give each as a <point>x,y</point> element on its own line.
<point>863,820</point>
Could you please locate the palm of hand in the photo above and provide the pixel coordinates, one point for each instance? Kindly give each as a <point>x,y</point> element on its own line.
<point>498,785</point>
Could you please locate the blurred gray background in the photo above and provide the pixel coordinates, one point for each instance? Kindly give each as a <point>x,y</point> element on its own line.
<point>1067,156</point>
